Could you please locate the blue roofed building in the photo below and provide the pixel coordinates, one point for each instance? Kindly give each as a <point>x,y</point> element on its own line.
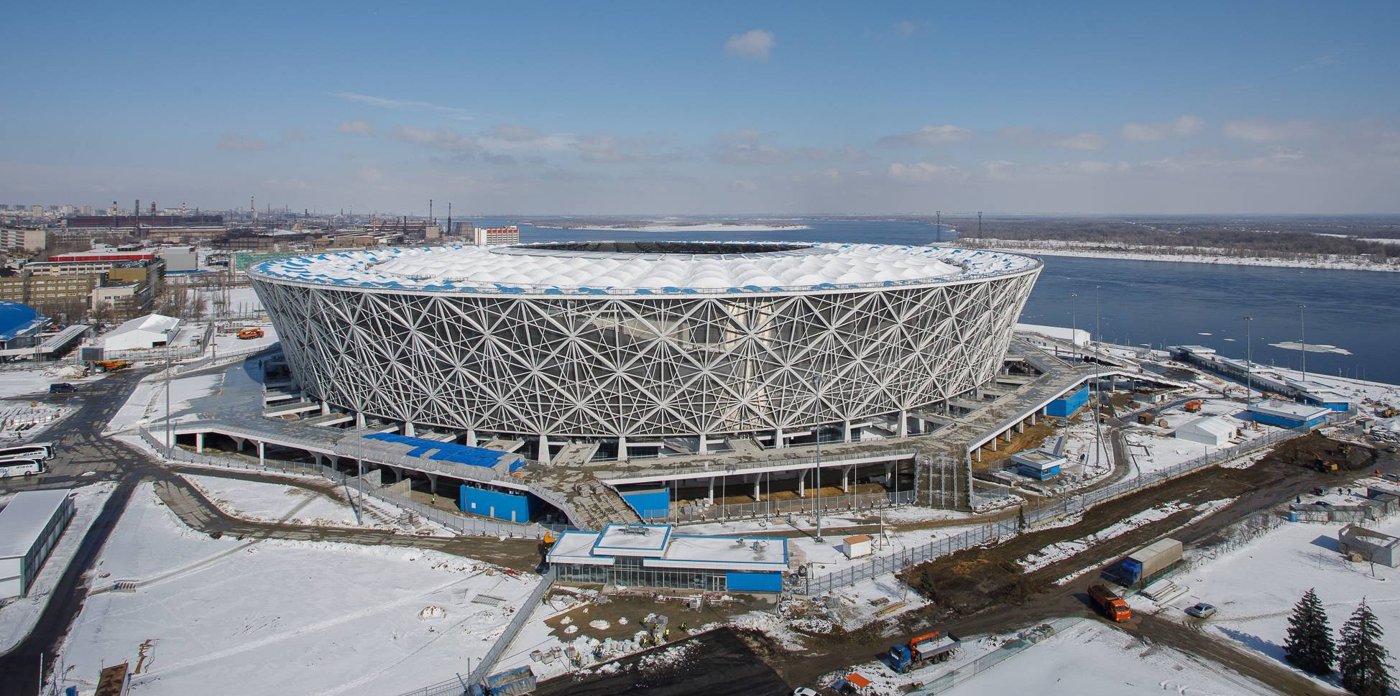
<point>653,555</point>
<point>19,325</point>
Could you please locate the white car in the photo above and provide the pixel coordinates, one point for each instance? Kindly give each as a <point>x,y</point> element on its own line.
<point>803,691</point>
<point>1201,610</point>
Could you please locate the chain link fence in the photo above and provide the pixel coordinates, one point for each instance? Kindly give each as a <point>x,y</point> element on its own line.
<point>830,504</point>
<point>995,531</point>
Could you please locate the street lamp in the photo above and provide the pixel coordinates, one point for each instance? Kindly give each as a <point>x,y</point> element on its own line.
<point>1073,323</point>
<point>1248,359</point>
<point>1303,339</point>
<point>817,392</point>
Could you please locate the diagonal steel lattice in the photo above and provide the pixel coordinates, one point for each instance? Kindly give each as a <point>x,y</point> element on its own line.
<point>644,367</point>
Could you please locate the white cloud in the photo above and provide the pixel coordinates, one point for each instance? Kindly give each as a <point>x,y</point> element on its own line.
<point>929,136</point>
<point>1260,131</point>
<point>237,142</point>
<point>514,134</point>
<point>906,29</point>
<point>1181,126</point>
<point>918,171</point>
<point>755,44</point>
<point>1079,141</point>
<point>355,127</point>
<point>440,139</point>
<point>608,149</point>
<point>404,105</point>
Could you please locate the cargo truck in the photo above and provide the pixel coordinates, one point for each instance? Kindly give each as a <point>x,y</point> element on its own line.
<point>1110,603</point>
<point>922,650</point>
<point>1147,562</point>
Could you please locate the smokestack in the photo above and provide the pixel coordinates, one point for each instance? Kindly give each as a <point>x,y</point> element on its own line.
<point>449,217</point>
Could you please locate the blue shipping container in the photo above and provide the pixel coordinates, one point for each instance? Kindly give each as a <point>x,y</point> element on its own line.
<point>650,505</point>
<point>1068,404</point>
<point>497,503</point>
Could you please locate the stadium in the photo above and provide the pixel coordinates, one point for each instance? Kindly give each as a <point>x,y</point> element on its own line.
<point>645,348</point>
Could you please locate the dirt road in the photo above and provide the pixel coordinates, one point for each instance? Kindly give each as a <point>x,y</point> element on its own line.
<point>1193,641</point>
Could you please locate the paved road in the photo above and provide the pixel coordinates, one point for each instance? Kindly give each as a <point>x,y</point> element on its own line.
<point>79,448</point>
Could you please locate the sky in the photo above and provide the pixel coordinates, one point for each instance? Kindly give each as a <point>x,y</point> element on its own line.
<point>706,108</point>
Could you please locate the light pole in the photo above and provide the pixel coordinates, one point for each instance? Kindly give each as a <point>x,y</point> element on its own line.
<point>169,442</point>
<point>817,392</point>
<point>1073,323</point>
<point>1303,339</point>
<point>1248,359</point>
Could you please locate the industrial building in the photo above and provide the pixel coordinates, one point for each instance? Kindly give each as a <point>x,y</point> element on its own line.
<point>1287,414</point>
<point>19,325</point>
<point>652,555</point>
<point>150,331</point>
<point>1038,464</point>
<point>495,235</point>
<point>1215,431</point>
<point>30,526</point>
<point>639,346</point>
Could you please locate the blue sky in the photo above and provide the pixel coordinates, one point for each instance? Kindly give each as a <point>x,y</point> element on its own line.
<point>800,107</point>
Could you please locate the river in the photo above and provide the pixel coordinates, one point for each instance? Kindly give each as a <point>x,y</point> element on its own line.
<point>1154,302</point>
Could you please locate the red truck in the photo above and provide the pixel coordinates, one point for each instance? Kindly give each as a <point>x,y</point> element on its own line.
<point>1110,603</point>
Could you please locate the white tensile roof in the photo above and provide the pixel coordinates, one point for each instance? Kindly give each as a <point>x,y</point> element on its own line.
<point>550,269</point>
<point>141,330</point>
<point>25,517</point>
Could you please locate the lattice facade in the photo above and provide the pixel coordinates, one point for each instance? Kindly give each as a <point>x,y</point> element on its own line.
<point>644,367</point>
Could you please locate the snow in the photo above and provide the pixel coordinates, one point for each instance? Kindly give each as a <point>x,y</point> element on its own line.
<point>32,382</point>
<point>24,422</point>
<point>1062,550</point>
<point>1091,658</point>
<point>1255,586</point>
<point>17,618</point>
<point>693,227</point>
<point>273,502</point>
<point>230,617</point>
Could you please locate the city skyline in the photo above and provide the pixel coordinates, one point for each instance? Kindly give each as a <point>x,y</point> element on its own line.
<point>726,109</point>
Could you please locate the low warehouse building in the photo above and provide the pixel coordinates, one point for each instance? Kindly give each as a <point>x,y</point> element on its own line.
<point>651,555</point>
<point>1038,464</point>
<point>29,528</point>
<point>150,331</point>
<point>1287,414</point>
<point>1208,430</point>
<point>1370,545</point>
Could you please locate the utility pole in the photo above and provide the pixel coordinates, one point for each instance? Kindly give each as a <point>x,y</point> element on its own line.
<point>817,393</point>
<point>1074,323</point>
<point>1303,339</point>
<point>1248,359</point>
<point>169,441</point>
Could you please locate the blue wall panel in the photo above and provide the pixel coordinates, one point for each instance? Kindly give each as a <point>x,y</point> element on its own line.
<point>650,505</point>
<point>504,505</point>
<point>754,582</point>
<point>1069,404</point>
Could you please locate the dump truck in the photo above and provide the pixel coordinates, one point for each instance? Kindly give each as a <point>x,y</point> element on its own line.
<point>512,682</point>
<point>1145,563</point>
<point>250,332</point>
<point>1110,603</point>
<point>922,650</point>
<point>1192,406</point>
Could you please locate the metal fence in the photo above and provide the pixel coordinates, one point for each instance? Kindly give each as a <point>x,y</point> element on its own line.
<point>830,504</point>
<point>1023,641</point>
<point>459,686</point>
<point>995,531</point>
<point>460,524</point>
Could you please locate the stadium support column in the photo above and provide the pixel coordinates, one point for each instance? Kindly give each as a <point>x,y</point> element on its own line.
<point>757,491</point>
<point>262,454</point>
<point>777,438</point>
<point>802,484</point>
<point>903,429</point>
<point>846,479</point>
<point>846,430</point>
<point>704,444</point>
<point>621,448</point>
<point>408,429</point>
<point>199,443</point>
<point>359,419</point>
<point>710,498</point>
<point>543,454</point>
<point>471,437</point>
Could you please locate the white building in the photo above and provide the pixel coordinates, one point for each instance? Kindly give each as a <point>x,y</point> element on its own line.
<point>1208,430</point>
<point>496,235</point>
<point>149,331</point>
<point>29,528</point>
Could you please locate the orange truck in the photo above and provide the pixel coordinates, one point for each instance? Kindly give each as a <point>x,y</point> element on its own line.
<point>1110,603</point>
<point>252,332</point>
<point>1192,406</point>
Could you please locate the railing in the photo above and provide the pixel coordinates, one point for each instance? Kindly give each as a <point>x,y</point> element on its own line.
<point>995,531</point>
<point>753,462</point>
<point>830,504</point>
<point>458,686</point>
<point>460,524</point>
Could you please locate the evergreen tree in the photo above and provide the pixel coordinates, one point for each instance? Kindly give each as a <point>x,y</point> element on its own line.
<point>1364,661</point>
<point>1309,645</point>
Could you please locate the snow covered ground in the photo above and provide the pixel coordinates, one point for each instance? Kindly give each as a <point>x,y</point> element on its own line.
<point>18,617</point>
<point>273,501</point>
<point>229,617</point>
<point>1091,658</point>
<point>33,382</point>
<point>1256,585</point>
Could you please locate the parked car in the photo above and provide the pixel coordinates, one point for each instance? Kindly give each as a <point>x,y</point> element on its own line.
<point>1201,610</point>
<point>61,388</point>
<point>803,691</point>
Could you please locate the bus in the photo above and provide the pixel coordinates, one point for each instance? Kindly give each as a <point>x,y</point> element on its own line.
<point>20,467</point>
<point>41,451</point>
